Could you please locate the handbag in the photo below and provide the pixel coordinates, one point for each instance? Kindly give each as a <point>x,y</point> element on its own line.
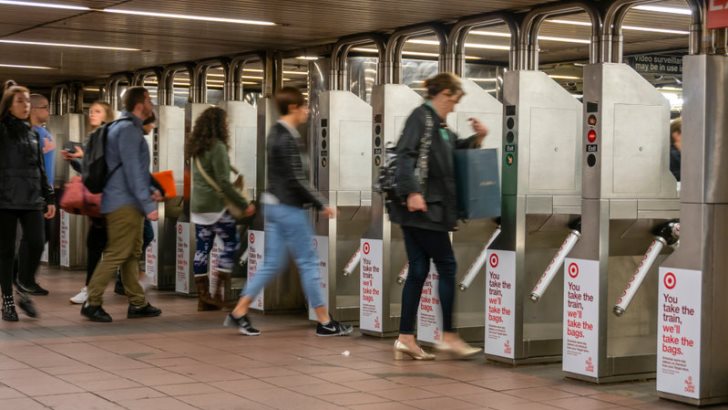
<point>238,184</point>
<point>78,200</point>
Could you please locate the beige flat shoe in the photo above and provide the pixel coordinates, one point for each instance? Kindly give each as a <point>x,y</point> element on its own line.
<point>400,350</point>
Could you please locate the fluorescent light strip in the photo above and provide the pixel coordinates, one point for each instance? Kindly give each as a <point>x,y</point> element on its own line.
<point>43,5</point>
<point>188,17</point>
<point>68,45</point>
<point>407,53</point>
<point>544,38</point>
<point>633,28</point>
<point>564,77</point>
<point>29,67</point>
<point>484,80</point>
<point>308,58</point>
<point>663,9</point>
<point>469,45</point>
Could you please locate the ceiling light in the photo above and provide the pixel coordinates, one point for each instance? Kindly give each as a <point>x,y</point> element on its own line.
<point>188,17</point>
<point>309,58</point>
<point>669,89</point>
<point>544,38</point>
<point>44,5</point>
<point>407,53</point>
<point>470,45</point>
<point>663,9</point>
<point>484,80</point>
<point>68,45</point>
<point>564,77</point>
<point>633,28</point>
<point>30,67</point>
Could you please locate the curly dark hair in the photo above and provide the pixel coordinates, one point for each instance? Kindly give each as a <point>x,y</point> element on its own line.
<point>210,126</point>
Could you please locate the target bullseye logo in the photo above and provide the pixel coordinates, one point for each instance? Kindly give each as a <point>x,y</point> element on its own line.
<point>252,238</point>
<point>366,248</point>
<point>493,260</point>
<point>573,270</point>
<point>179,229</point>
<point>670,280</point>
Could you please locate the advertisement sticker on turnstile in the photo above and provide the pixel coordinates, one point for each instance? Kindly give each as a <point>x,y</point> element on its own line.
<point>256,252</point>
<point>183,260</point>
<point>581,309</point>
<point>151,258</point>
<point>370,308</point>
<point>500,296</point>
<point>678,333</point>
<point>65,240</point>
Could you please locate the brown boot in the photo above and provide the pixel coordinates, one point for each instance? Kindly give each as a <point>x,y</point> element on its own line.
<point>223,283</point>
<point>204,300</point>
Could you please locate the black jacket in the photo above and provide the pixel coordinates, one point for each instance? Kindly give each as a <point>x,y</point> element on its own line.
<point>440,191</point>
<point>23,181</point>
<point>287,180</point>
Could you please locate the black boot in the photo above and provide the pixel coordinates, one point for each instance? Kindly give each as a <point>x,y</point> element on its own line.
<point>9,313</point>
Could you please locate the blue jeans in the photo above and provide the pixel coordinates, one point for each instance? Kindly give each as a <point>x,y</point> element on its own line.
<point>288,231</point>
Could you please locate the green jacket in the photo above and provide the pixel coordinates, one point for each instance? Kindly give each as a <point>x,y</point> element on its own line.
<point>216,163</point>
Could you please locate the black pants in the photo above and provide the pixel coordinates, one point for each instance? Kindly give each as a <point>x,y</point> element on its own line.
<point>32,224</point>
<point>423,245</point>
<point>95,244</point>
<point>23,251</point>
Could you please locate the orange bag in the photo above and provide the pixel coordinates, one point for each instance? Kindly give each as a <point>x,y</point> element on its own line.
<point>78,200</point>
<point>166,180</point>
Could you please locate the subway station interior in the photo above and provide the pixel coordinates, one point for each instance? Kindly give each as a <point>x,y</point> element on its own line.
<point>592,280</point>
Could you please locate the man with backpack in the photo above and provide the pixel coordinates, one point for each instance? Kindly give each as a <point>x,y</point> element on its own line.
<point>119,162</point>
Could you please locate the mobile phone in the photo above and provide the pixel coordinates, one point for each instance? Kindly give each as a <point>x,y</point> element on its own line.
<point>70,146</point>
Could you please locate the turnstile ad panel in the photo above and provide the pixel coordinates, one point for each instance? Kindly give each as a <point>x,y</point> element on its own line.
<point>627,191</point>
<point>541,174</point>
<point>342,158</point>
<point>383,254</point>
<point>470,239</point>
<point>67,244</point>
<point>692,362</point>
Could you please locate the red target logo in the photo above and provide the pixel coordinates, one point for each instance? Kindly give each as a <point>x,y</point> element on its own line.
<point>670,280</point>
<point>573,270</point>
<point>251,238</point>
<point>366,248</point>
<point>493,260</point>
<point>179,229</point>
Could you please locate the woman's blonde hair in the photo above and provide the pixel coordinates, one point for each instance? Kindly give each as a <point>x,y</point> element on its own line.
<point>108,112</point>
<point>442,82</point>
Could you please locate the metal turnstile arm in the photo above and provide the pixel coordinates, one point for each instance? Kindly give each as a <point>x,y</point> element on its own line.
<point>476,267</point>
<point>666,234</point>
<point>353,262</point>
<point>558,260</point>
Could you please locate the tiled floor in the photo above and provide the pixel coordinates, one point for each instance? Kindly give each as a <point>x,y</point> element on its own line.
<point>186,360</point>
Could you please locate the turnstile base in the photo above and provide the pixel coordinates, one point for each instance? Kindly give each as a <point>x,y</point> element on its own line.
<point>611,379</point>
<point>708,401</point>
<point>525,360</point>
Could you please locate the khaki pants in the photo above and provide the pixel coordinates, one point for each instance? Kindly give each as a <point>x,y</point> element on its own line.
<point>125,228</point>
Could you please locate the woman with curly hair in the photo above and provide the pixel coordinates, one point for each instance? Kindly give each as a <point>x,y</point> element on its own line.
<point>208,149</point>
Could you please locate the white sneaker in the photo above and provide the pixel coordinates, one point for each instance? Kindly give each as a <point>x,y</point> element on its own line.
<point>81,297</point>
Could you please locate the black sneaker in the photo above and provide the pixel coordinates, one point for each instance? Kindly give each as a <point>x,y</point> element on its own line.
<point>333,328</point>
<point>147,310</point>
<point>242,323</point>
<point>9,313</point>
<point>95,313</point>
<point>26,305</point>
<point>32,289</point>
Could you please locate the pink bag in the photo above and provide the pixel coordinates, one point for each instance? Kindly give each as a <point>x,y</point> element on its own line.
<point>78,200</point>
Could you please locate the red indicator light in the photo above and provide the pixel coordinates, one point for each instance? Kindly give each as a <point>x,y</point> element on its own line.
<point>591,136</point>
<point>592,120</point>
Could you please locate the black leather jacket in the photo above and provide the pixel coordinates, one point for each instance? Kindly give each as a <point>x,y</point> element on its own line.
<point>286,177</point>
<point>440,191</point>
<point>23,181</point>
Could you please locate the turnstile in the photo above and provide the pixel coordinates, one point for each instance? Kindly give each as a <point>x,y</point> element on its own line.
<point>541,174</point>
<point>470,240</point>
<point>67,244</point>
<point>692,362</point>
<point>382,248</point>
<point>343,155</point>
<point>627,191</point>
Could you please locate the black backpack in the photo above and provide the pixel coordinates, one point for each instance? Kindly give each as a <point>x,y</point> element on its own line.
<point>95,170</point>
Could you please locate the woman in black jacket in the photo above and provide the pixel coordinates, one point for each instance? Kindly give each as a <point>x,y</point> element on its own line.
<point>430,212</point>
<point>25,196</point>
